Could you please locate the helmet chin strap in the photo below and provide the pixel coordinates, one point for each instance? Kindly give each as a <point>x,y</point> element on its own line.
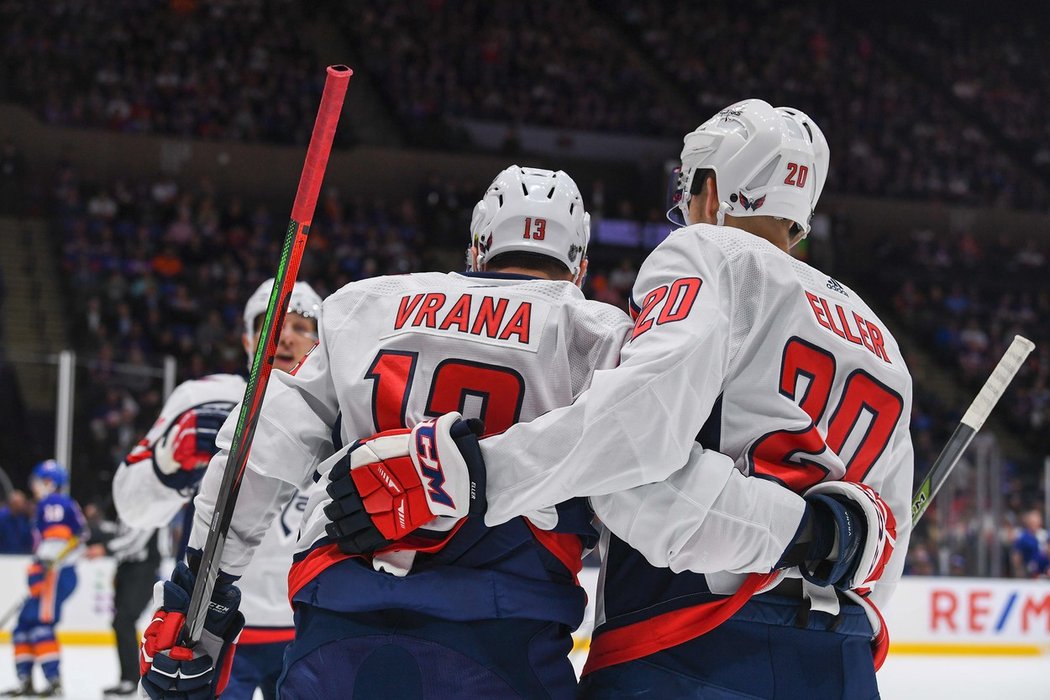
<point>720,216</point>
<point>477,261</point>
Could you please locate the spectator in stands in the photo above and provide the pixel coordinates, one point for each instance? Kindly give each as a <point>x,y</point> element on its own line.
<point>1030,556</point>
<point>16,528</point>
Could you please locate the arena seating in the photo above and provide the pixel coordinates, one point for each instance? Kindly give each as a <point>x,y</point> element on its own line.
<point>217,70</point>
<point>917,123</point>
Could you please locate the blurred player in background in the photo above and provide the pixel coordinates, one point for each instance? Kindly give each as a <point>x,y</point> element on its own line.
<point>484,613</point>
<point>743,362</point>
<point>161,475</point>
<point>52,577</point>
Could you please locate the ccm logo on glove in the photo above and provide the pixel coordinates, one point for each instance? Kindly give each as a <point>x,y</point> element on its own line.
<point>430,465</point>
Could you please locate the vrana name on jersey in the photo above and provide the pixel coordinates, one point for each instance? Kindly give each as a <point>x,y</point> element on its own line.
<point>484,316</point>
<point>867,333</point>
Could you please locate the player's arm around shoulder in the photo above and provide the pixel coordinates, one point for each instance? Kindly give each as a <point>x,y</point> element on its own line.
<point>635,423</point>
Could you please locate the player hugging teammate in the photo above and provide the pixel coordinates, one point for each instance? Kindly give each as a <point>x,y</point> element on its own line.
<point>745,459</point>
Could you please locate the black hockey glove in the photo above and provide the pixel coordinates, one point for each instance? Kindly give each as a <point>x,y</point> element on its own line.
<point>173,672</point>
<point>846,537</point>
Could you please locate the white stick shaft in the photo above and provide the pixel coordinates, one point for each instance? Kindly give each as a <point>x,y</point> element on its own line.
<point>1001,376</point>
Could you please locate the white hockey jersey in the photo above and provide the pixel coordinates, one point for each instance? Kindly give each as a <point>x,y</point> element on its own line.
<point>739,348</point>
<point>143,500</point>
<point>392,351</point>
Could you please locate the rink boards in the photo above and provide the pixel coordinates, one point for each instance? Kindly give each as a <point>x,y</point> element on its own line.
<point>928,616</point>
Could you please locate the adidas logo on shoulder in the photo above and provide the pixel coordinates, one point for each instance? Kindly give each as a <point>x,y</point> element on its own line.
<point>835,286</point>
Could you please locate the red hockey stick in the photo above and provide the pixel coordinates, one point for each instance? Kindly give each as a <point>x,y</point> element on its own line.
<point>287,269</point>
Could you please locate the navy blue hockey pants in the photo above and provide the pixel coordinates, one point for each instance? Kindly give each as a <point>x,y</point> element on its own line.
<point>769,650</point>
<point>255,666</point>
<point>410,656</point>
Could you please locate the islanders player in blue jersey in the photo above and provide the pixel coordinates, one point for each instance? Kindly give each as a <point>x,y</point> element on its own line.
<point>57,529</point>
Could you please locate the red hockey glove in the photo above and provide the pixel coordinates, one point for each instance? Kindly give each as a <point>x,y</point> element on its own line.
<point>399,480</point>
<point>182,454</point>
<point>847,539</point>
<point>173,672</point>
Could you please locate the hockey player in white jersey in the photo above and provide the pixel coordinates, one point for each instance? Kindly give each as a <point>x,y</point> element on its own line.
<point>485,612</point>
<point>162,473</point>
<point>765,406</point>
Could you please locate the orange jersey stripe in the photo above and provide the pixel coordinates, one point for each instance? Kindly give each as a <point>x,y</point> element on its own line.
<point>57,532</point>
<point>43,648</point>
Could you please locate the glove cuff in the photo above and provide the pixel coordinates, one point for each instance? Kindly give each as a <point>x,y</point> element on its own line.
<point>465,434</point>
<point>193,560</point>
<point>875,522</point>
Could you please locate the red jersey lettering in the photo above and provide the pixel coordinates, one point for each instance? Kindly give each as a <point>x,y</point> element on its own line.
<point>490,317</point>
<point>459,316</point>
<point>405,309</point>
<point>518,324</point>
<point>848,325</point>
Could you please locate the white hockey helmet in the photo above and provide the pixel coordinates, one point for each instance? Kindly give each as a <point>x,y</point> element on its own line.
<point>557,226</point>
<point>821,152</point>
<point>304,302</point>
<point>765,163</point>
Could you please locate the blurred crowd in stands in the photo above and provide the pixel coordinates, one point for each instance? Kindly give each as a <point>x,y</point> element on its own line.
<point>985,58</point>
<point>545,63</point>
<point>892,130</point>
<point>225,69</point>
<point>966,297</point>
<point>932,107</point>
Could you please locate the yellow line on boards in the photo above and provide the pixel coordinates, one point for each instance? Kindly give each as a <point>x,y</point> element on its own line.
<point>966,649</point>
<point>103,638</point>
<point>106,638</point>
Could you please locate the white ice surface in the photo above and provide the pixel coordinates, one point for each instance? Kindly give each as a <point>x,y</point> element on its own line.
<point>87,670</point>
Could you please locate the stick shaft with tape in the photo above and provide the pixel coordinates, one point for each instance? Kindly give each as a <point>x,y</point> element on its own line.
<point>287,269</point>
<point>971,422</point>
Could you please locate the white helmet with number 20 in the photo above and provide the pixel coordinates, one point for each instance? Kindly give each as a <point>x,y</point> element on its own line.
<point>767,162</point>
<point>534,211</point>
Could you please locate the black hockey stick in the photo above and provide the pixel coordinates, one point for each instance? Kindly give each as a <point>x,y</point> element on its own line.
<point>971,422</point>
<point>287,269</point>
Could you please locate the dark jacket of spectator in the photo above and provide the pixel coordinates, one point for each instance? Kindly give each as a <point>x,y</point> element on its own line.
<point>16,527</point>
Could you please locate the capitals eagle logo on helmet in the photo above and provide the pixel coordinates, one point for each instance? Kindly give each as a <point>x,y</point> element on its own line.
<point>730,112</point>
<point>752,204</point>
<point>483,243</point>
